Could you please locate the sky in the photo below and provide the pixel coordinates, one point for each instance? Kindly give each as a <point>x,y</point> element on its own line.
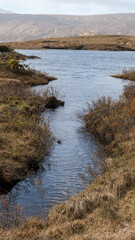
<point>72,7</point>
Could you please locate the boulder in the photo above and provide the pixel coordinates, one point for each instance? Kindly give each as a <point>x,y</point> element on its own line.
<point>53,102</point>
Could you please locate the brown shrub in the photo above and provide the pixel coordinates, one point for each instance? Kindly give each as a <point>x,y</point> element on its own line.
<point>24,142</point>
<point>111,121</point>
<point>12,68</point>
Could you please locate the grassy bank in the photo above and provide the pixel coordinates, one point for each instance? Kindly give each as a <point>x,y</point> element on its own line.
<point>11,70</point>
<point>106,209</point>
<point>126,74</point>
<point>95,42</point>
<point>24,138</point>
<point>23,142</point>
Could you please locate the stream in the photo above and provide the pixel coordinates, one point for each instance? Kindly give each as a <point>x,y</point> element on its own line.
<point>82,76</point>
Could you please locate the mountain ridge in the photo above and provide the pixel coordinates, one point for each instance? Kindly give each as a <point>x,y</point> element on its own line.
<point>3,11</point>
<point>24,27</point>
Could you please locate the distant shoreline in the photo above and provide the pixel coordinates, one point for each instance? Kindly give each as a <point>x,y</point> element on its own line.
<point>95,42</point>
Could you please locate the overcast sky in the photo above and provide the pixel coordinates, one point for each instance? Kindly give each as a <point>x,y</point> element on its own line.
<point>77,7</point>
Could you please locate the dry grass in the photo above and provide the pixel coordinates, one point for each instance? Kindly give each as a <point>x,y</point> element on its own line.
<point>111,121</point>
<point>12,69</point>
<point>126,74</point>
<point>106,209</point>
<point>96,42</point>
<point>23,142</point>
<point>92,227</point>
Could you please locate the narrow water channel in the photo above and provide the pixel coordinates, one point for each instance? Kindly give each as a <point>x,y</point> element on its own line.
<point>82,76</point>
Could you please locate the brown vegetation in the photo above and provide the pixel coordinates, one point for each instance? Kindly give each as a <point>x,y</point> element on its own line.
<point>23,142</point>
<point>4,48</point>
<point>12,69</point>
<point>96,42</point>
<point>105,210</point>
<point>126,74</point>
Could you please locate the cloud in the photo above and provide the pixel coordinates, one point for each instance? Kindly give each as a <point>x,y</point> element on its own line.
<point>69,6</point>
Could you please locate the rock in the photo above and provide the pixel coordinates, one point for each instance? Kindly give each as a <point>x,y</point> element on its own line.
<point>53,102</point>
<point>33,57</point>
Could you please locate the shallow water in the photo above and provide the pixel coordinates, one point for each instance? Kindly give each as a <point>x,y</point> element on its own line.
<point>82,76</point>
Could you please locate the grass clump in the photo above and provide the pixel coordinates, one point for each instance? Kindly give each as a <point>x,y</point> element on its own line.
<point>23,141</point>
<point>126,74</point>
<point>112,122</point>
<point>12,69</point>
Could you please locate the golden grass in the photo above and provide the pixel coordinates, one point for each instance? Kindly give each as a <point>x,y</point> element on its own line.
<point>93,226</point>
<point>23,142</point>
<point>126,74</point>
<point>5,81</point>
<point>96,42</point>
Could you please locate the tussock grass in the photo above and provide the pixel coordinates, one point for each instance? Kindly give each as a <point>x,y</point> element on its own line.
<point>126,74</point>
<point>23,142</point>
<point>112,122</point>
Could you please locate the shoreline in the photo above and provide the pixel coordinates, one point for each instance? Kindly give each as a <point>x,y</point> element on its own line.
<point>126,75</point>
<point>13,71</point>
<point>24,142</point>
<point>95,42</point>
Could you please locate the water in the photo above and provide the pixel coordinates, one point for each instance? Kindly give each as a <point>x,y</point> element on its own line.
<point>82,76</point>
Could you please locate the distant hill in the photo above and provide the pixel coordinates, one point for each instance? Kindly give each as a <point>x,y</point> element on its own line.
<point>5,11</point>
<point>22,27</point>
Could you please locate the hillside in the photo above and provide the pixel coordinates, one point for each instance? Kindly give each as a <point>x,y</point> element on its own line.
<point>23,27</point>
